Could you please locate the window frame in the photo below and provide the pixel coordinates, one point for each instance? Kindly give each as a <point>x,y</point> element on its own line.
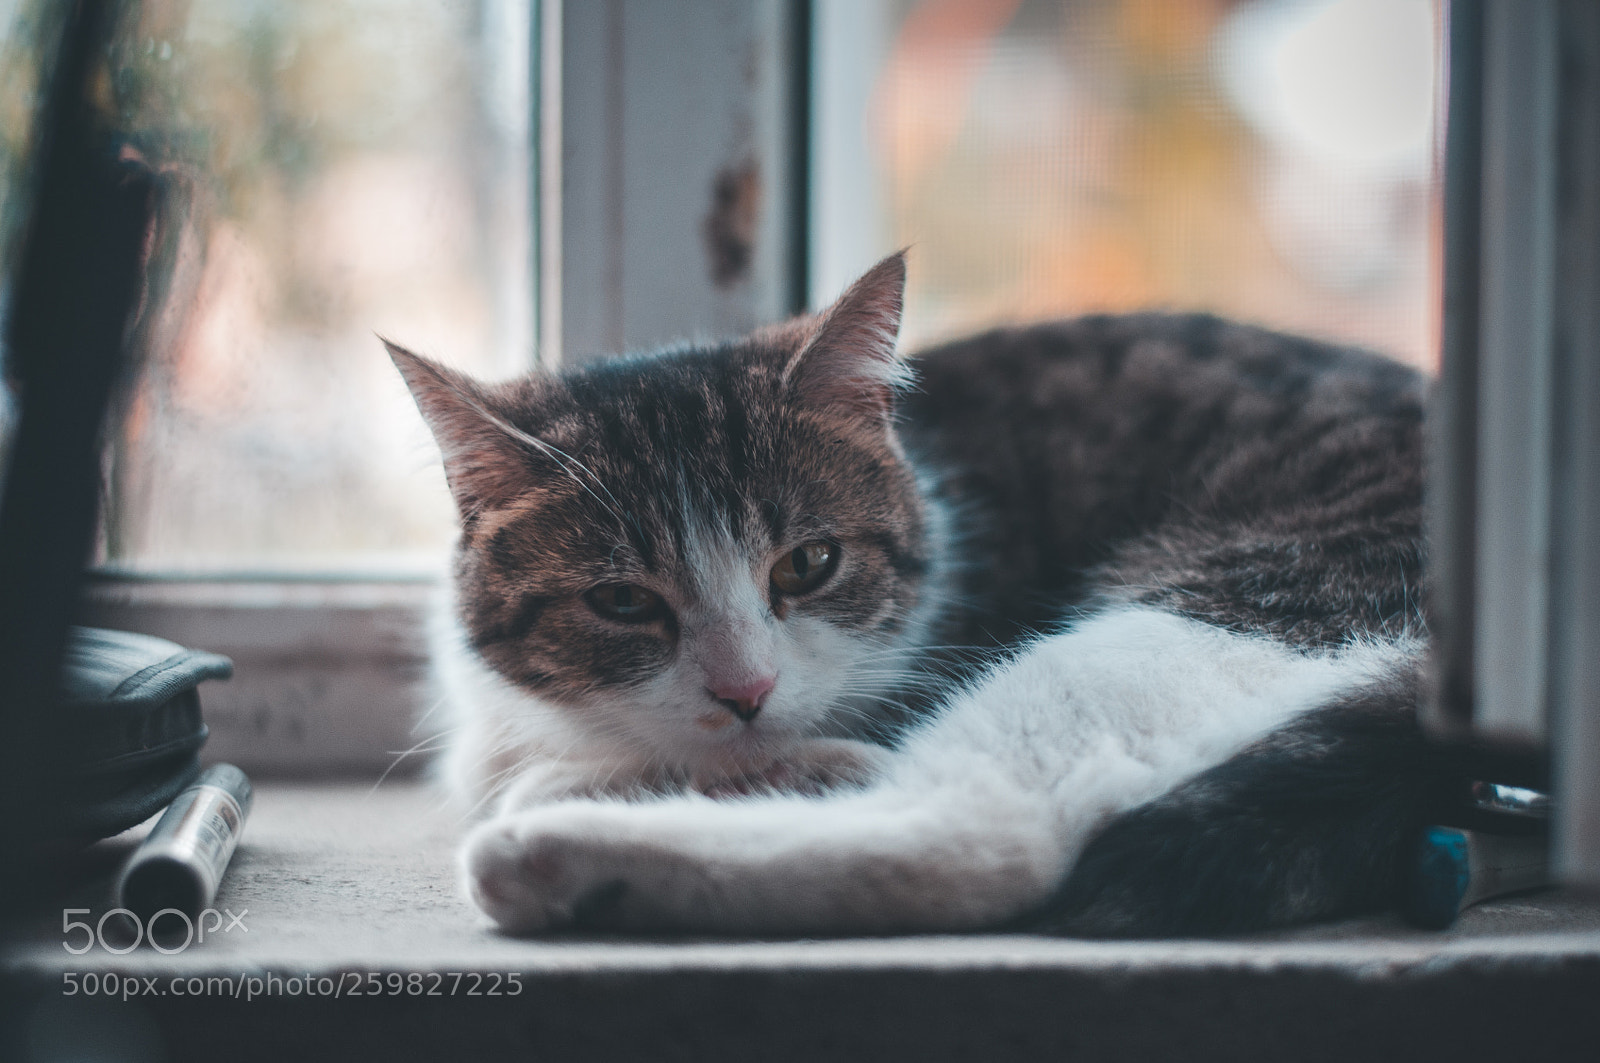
<point>1515,487</point>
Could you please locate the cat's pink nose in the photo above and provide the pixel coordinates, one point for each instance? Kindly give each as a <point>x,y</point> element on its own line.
<point>744,699</point>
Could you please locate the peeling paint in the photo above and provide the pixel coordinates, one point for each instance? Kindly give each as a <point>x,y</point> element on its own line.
<point>730,227</point>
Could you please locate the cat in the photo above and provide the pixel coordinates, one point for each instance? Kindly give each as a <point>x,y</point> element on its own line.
<point>1102,627</point>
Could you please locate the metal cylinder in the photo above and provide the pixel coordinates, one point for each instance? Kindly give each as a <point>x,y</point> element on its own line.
<point>181,862</point>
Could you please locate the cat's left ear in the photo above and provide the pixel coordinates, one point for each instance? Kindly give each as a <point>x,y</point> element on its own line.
<point>850,363</point>
<point>487,462</point>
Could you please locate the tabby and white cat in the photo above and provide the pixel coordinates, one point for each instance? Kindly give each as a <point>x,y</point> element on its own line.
<point>1107,627</point>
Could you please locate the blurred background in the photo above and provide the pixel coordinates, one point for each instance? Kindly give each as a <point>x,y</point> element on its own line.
<point>1269,160</point>
<point>362,167</point>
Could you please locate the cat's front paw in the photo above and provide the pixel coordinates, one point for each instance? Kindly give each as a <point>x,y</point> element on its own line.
<point>516,880</point>
<point>560,866</point>
<point>816,767</point>
<point>528,879</point>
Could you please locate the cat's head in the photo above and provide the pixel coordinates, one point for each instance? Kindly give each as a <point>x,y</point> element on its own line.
<point>704,553</point>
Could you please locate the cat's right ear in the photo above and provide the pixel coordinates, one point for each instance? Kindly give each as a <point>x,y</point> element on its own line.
<point>486,460</point>
<point>850,364</point>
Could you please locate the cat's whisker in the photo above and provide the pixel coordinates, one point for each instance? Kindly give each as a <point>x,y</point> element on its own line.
<point>427,714</point>
<point>430,744</point>
<point>564,460</point>
<point>493,789</point>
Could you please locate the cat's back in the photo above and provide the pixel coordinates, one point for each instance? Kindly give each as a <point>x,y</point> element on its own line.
<point>1166,386</point>
<point>1063,443</point>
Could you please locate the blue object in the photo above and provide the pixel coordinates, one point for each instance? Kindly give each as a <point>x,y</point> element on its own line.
<point>1440,874</point>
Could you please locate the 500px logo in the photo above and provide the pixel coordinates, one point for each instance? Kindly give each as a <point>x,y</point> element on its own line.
<point>162,928</point>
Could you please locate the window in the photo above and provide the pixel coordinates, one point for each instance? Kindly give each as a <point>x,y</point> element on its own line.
<point>354,168</point>
<point>364,168</point>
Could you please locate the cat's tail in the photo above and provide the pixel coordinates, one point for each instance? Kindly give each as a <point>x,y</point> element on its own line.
<point>1312,821</point>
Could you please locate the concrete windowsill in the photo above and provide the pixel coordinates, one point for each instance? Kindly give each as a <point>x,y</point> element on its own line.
<point>340,880</point>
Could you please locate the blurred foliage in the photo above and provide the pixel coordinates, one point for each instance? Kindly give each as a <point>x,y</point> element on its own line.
<point>250,100</point>
<point>344,176</point>
<point>1055,157</point>
<point>263,91</point>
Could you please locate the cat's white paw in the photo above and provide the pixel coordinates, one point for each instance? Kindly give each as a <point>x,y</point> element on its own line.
<point>571,863</point>
<point>514,880</point>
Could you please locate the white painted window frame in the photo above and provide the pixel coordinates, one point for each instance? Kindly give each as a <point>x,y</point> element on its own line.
<point>681,138</point>
<point>1516,468</point>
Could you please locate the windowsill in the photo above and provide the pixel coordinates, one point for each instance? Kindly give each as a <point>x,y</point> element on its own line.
<point>326,671</point>
<point>344,879</point>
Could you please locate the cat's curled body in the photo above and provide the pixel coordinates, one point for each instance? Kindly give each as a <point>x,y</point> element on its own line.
<point>1109,627</point>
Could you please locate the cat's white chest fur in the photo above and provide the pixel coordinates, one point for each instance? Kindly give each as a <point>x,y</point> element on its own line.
<point>974,820</point>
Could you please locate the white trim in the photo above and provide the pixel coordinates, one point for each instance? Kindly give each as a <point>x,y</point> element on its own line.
<point>1516,348</point>
<point>849,228</point>
<point>665,110</point>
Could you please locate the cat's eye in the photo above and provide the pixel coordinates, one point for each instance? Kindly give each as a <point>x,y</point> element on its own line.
<point>805,568</point>
<point>627,602</point>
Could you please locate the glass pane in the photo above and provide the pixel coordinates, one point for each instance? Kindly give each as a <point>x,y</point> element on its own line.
<point>356,168</point>
<point>1269,160</point>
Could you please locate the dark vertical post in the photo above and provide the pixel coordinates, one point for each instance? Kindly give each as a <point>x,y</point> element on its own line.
<point>77,286</point>
<point>801,18</point>
<point>1575,518</point>
<point>1452,465</point>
